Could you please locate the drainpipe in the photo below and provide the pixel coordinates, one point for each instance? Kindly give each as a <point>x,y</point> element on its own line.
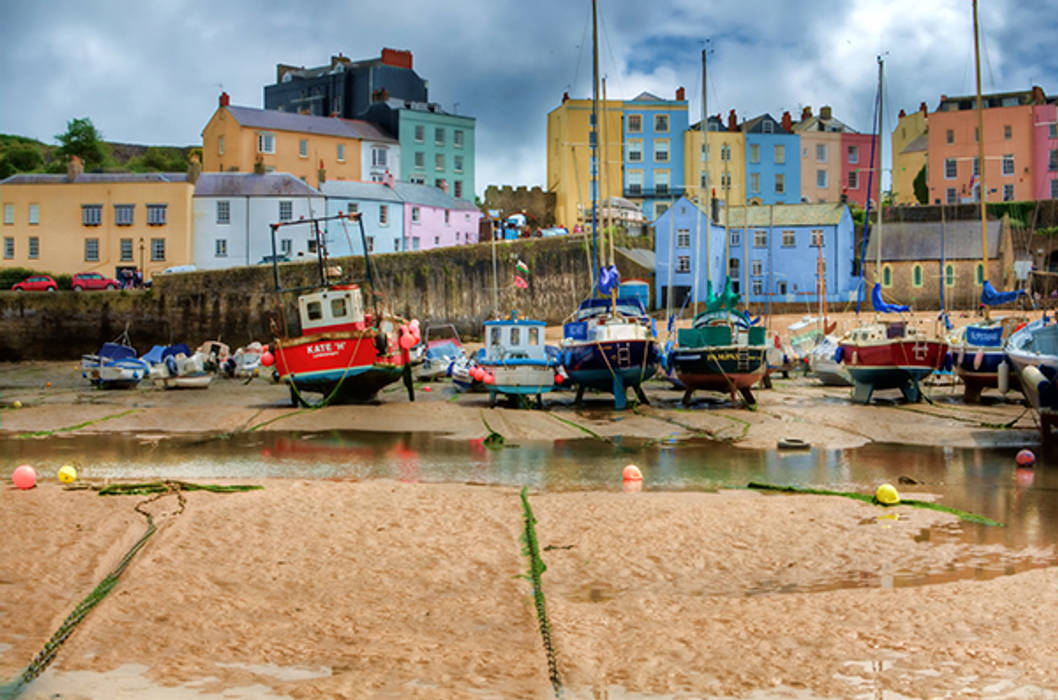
<point>247,218</point>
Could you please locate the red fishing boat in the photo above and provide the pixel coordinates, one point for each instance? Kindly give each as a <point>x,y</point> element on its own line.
<point>342,351</point>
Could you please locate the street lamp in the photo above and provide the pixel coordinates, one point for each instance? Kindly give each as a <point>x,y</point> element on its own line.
<point>141,256</point>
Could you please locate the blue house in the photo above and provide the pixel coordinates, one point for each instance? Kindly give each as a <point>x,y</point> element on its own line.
<point>775,252</point>
<point>773,168</point>
<point>382,210</point>
<point>684,241</point>
<point>653,150</point>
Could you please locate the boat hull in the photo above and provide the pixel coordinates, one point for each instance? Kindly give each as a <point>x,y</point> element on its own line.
<point>595,364</point>
<point>523,379</point>
<point>978,374</point>
<point>727,368</point>
<point>346,367</point>
<point>896,364</point>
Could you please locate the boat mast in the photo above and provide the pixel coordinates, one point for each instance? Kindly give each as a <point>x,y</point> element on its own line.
<point>982,191</point>
<point>862,289</point>
<point>703,182</point>
<point>594,141</point>
<point>881,145</point>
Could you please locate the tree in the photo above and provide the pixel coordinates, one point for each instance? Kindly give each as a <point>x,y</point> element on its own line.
<point>921,190</point>
<point>81,139</point>
<point>20,158</point>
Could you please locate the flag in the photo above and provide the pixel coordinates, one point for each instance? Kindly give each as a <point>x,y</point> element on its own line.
<point>521,268</point>
<point>520,282</point>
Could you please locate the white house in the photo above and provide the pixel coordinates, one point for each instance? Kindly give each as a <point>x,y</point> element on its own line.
<point>233,214</point>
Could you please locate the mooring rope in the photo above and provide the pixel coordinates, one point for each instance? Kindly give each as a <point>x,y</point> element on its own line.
<point>536,569</point>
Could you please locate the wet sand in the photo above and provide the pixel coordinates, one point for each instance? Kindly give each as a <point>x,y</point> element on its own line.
<point>336,589</point>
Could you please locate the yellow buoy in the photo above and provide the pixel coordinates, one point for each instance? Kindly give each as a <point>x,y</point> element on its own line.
<point>67,474</point>
<point>17,404</point>
<point>887,495</point>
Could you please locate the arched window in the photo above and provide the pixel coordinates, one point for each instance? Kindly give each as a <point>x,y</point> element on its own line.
<point>979,274</point>
<point>949,275</point>
<point>887,276</point>
<point>916,275</point>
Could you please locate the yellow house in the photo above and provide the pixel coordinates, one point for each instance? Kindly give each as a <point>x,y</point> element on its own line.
<point>569,158</point>
<point>312,148</point>
<point>725,158</point>
<point>910,145</point>
<point>65,224</point>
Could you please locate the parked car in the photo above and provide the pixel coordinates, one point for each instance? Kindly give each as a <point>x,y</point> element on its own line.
<point>179,268</point>
<point>37,283</point>
<point>92,280</point>
<point>269,259</point>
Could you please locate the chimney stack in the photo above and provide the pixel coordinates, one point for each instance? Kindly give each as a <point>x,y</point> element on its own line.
<point>732,121</point>
<point>194,166</point>
<point>74,168</point>
<point>680,95</point>
<point>902,114</point>
<point>396,58</point>
<point>825,113</point>
<point>225,99</point>
<point>565,97</point>
<point>1037,95</point>
<point>787,122</point>
<point>806,113</point>
<point>387,179</point>
<point>922,108</point>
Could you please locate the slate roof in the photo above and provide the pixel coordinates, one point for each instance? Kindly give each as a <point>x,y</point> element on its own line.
<point>785,215</point>
<point>355,189</point>
<point>85,178</point>
<point>830,126</point>
<point>919,143</point>
<point>646,97</point>
<point>644,257</point>
<point>424,195</point>
<point>309,124</point>
<point>922,240</point>
<point>430,196</point>
<point>251,185</point>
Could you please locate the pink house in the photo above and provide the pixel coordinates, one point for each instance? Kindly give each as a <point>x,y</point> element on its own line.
<point>435,219</point>
<point>1045,150</point>
<point>856,168</point>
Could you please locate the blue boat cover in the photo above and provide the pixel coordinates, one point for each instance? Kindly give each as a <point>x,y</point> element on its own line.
<point>154,355</point>
<point>990,296</point>
<point>158,353</point>
<point>880,305</point>
<point>116,351</point>
<point>990,337</point>
<point>609,278</point>
<point>629,306</point>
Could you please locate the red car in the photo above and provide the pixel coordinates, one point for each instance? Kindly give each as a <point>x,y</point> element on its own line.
<point>37,283</point>
<point>92,280</point>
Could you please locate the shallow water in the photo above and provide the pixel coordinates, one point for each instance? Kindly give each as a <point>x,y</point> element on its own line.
<point>983,481</point>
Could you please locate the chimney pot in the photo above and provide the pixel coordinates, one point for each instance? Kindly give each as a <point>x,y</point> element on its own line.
<point>565,97</point>
<point>902,114</point>
<point>787,121</point>
<point>225,99</point>
<point>922,108</point>
<point>680,94</point>
<point>824,112</point>
<point>732,121</point>
<point>806,113</point>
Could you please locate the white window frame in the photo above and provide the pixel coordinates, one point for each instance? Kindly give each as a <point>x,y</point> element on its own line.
<point>683,238</point>
<point>635,150</point>
<point>683,263</point>
<point>223,212</point>
<point>266,142</point>
<point>156,214</point>
<point>821,178</point>
<point>951,169</point>
<point>756,267</point>
<point>9,213</point>
<point>378,156</point>
<point>383,215</point>
<point>780,183</point>
<point>821,153</point>
<point>457,163</point>
<point>157,249</point>
<point>33,250</point>
<point>124,214</point>
<point>220,248</point>
<point>220,145</point>
<point>1008,164</point>
<point>854,154</point>
<point>1008,192</point>
<point>816,238</point>
<point>286,210</point>
<point>416,215</point>
<point>420,133</point>
<point>91,250</point>
<point>854,180</point>
<point>126,250</point>
<point>439,161</point>
<point>9,247</point>
<point>760,238</point>
<point>340,154</point>
<point>757,287</point>
<point>754,153</point>
<point>303,148</point>
<point>457,138</point>
<point>754,183</point>
<point>661,150</point>
<point>34,214</point>
<point>780,154</point>
<point>419,160</point>
<point>439,136</point>
<point>91,214</point>
<point>789,238</point>
<point>662,188</point>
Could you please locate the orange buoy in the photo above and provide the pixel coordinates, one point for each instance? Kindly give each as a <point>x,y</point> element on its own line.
<point>631,473</point>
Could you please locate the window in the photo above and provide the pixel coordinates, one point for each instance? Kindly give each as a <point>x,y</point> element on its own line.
<point>417,179</point>
<point>661,150</point>
<point>754,153</point>
<point>439,161</point>
<point>660,208</point>
<point>1054,189</point>
<point>9,247</point>
<point>303,148</point>
<point>341,153</point>
<point>383,215</point>
<point>754,182</point>
<point>396,244</point>
<point>780,154</point>
<point>1052,131</point>
<point>950,169</point>
<point>457,163</point>
<point>378,157</point>
<point>661,182</point>
<point>534,335</point>
<point>34,214</point>
<point>220,145</point>
<point>821,153</point>
<point>854,179</point>
<point>683,238</point>
<point>735,238</point>
<point>979,274</point>
<point>756,267</point>
<point>1052,162</point>
<point>311,245</point>
<point>780,287</point>
<point>854,154</point>
<point>352,208</point>
<point>887,276</point>
<point>9,214</point>
<point>440,183</point>
<point>457,189</point>
<point>977,135</point>
<point>457,138</point>
<point>977,166</point>
<point>1007,132</point>
<point>437,240</point>
<point>733,266</point>
<point>767,126</point>
<point>789,239</point>
<point>635,150</point>
<point>760,239</point>
<point>1008,164</point>
<point>420,160</point>
<point>125,245</point>
<point>949,275</point>
<point>91,249</point>
<point>725,180</point>
<point>156,214</point>
<point>821,178</point>
<point>415,215</point>
<point>34,247</point>
<point>780,183</point>
<point>123,214</point>
<point>286,210</point>
<point>661,122</point>
<point>683,263</point>
<point>816,238</point>
<point>414,242</point>
<point>266,142</point>
<point>758,287</point>
<point>223,211</point>
<point>916,275</point>
<point>635,182</point>
<point>447,218</point>
<point>157,249</point>
<point>286,246</point>
<point>339,307</point>
<point>952,197</point>
<point>1008,193</point>
<point>635,123</point>
<point>725,152</point>
<point>314,310</point>
<point>220,248</point>
<point>420,133</point>
<point>91,214</point>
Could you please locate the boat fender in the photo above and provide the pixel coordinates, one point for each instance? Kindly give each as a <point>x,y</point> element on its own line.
<point>979,357</point>
<point>855,357</point>
<point>838,354</point>
<point>960,356</point>
<point>567,358</point>
<point>380,343</point>
<point>1033,377</point>
<point>947,362</point>
<point>1003,377</point>
<point>170,364</point>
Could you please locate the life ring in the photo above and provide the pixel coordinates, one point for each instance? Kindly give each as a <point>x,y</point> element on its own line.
<point>792,443</point>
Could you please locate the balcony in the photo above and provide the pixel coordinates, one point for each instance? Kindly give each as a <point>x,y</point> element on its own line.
<point>656,192</point>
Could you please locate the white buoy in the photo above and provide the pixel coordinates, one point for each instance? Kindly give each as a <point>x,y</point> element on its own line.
<point>1003,377</point>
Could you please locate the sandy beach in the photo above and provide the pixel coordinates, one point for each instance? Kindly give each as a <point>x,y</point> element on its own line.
<point>342,589</point>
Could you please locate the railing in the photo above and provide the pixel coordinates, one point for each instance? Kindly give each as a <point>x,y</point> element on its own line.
<point>656,192</point>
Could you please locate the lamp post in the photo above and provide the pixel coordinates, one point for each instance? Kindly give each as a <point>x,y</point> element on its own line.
<point>141,257</point>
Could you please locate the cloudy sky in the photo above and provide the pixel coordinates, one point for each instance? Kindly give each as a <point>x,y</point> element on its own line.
<point>150,72</point>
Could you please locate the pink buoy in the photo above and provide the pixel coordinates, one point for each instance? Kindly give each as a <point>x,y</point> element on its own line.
<point>24,477</point>
<point>631,473</point>
<point>267,359</point>
<point>407,342</point>
<point>426,388</point>
<point>489,378</point>
<point>1025,458</point>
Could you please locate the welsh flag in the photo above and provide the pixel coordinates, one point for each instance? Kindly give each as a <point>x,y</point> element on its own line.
<point>521,268</point>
